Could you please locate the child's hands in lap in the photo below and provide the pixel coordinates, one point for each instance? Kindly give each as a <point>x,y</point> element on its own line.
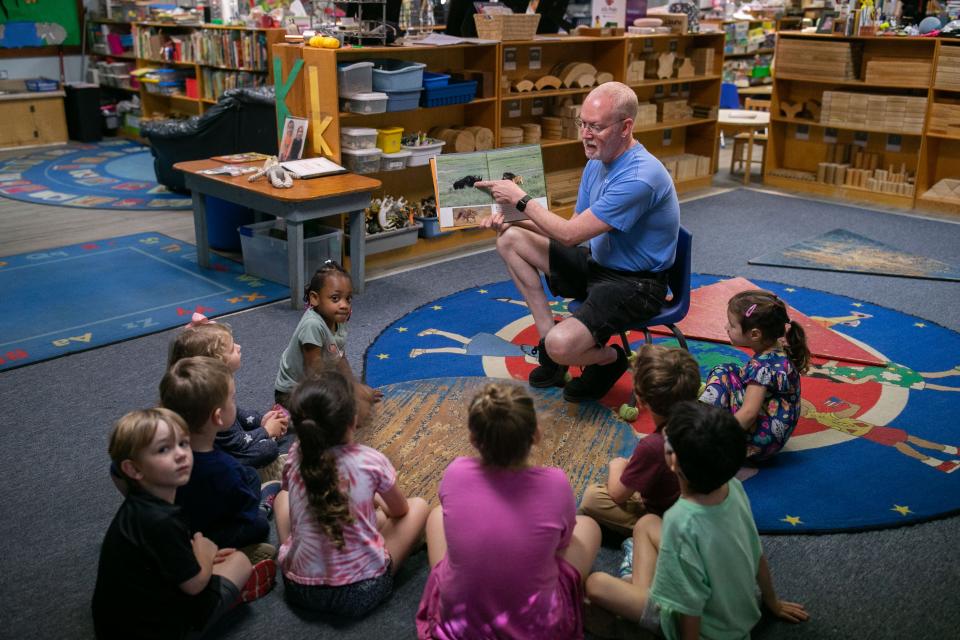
<point>222,554</point>
<point>275,423</point>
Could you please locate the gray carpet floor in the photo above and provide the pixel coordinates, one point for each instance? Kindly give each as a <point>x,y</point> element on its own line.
<point>897,583</point>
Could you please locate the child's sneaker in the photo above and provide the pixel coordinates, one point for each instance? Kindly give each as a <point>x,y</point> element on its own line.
<point>261,581</point>
<point>626,565</point>
<point>268,493</point>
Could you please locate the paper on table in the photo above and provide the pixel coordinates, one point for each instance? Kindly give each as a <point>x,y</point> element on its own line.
<point>442,39</point>
<point>312,167</point>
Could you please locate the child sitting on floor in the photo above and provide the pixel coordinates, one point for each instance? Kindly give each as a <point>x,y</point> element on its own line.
<point>344,525</point>
<point>695,572</point>
<point>155,579</point>
<point>223,498</point>
<point>320,339</point>
<point>644,484</point>
<point>508,554</point>
<point>252,438</point>
<point>764,396</point>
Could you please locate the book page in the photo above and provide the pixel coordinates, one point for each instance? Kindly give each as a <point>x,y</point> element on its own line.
<point>312,167</point>
<point>460,204</point>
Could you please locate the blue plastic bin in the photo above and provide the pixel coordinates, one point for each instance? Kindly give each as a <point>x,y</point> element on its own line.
<point>223,218</point>
<point>403,100</point>
<point>397,75</point>
<point>433,80</point>
<point>453,93</point>
<point>42,84</point>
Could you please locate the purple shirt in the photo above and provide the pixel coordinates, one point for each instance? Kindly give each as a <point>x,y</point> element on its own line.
<point>501,576</point>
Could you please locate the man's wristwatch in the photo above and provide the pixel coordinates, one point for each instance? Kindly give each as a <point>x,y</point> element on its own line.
<point>522,203</point>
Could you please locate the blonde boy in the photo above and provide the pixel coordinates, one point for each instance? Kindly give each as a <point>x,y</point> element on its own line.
<point>155,579</point>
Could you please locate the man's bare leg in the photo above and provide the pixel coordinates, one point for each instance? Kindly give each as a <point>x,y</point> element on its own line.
<point>527,255</point>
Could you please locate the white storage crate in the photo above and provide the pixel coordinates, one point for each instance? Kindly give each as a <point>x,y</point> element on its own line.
<point>421,154</point>
<point>354,78</point>
<point>373,102</point>
<point>266,257</point>
<point>361,160</point>
<point>358,138</point>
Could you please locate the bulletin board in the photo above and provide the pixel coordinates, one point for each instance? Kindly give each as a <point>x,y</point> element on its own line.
<point>33,27</point>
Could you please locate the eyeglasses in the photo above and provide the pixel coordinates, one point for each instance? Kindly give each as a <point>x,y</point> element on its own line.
<point>592,127</point>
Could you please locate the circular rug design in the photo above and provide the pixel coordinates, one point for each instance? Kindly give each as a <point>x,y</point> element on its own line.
<point>876,446</point>
<point>113,174</point>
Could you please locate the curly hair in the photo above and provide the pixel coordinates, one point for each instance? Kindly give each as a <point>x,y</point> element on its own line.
<point>764,311</point>
<point>209,340</point>
<point>502,423</point>
<point>322,410</point>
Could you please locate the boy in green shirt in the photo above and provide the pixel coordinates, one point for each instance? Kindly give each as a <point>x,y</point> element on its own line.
<point>695,571</point>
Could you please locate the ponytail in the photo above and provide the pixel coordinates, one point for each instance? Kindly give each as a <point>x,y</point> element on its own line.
<point>795,344</point>
<point>322,409</point>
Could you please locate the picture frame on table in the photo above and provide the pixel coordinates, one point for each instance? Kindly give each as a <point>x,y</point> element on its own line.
<point>826,24</point>
<point>294,138</point>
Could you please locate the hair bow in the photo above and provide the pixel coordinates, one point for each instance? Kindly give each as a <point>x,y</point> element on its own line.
<point>198,319</point>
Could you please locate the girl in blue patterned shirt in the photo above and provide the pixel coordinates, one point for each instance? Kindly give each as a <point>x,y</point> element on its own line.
<point>764,395</point>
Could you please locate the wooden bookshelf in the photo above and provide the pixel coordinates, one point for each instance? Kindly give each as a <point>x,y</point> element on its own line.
<point>888,135</point>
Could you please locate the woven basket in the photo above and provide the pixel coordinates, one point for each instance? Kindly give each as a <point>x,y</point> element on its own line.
<point>511,26</point>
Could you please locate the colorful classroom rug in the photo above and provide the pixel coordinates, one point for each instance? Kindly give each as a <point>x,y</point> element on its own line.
<point>112,174</point>
<point>93,294</point>
<point>842,250</point>
<point>875,447</point>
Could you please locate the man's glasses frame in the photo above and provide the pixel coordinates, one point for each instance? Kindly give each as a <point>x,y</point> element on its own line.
<point>593,127</point>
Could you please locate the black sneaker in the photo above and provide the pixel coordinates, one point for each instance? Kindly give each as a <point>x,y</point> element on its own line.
<point>549,373</point>
<point>596,379</point>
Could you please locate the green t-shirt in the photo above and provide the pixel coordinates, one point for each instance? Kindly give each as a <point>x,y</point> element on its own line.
<point>311,330</point>
<point>707,567</point>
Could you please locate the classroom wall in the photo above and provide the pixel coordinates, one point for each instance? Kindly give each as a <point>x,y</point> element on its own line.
<point>45,67</point>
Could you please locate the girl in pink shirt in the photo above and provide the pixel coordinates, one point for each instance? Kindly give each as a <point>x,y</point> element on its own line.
<point>508,554</point>
<point>344,525</point>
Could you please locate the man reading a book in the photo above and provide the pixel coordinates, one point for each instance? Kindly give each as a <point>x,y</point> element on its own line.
<point>627,216</point>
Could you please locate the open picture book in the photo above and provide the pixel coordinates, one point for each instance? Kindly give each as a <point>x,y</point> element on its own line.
<point>312,167</point>
<point>460,204</point>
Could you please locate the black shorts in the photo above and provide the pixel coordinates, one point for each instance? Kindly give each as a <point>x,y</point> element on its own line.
<point>351,600</point>
<point>612,299</point>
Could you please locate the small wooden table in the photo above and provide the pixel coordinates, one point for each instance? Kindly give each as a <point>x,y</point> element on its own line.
<point>306,200</point>
<point>743,120</point>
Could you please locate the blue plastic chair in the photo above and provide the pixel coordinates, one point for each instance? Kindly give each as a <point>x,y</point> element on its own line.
<point>675,310</point>
<point>729,96</point>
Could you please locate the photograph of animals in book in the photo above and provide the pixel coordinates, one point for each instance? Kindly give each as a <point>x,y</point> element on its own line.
<point>461,204</point>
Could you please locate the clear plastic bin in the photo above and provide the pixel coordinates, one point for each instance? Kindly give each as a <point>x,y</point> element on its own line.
<point>403,100</point>
<point>358,138</point>
<point>354,78</point>
<point>373,102</point>
<point>421,155</point>
<point>397,75</point>
<point>394,161</point>
<point>266,257</point>
<point>361,160</point>
<point>388,139</point>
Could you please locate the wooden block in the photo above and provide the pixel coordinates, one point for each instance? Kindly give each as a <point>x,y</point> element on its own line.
<point>703,58</point>
<point>665,65</point>
<point>685,70</point>
<point>635,72</point>
<point>547,82</point>
<point>791,109</point>
<point>522,86</point>
<point>603,77</point>
<point>585,80</point>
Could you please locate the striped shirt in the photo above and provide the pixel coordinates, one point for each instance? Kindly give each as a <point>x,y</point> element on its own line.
<point>308,556</point>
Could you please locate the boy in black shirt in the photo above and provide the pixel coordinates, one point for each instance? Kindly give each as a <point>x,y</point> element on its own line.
<point>155,579</point>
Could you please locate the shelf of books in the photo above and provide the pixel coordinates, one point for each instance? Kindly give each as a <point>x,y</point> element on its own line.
<point>179,69</point>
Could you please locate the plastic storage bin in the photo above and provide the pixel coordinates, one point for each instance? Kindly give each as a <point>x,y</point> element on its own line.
<point>421,155</point>
<point>432,80</point>
<point>354,78</point>
<point>361,160</point>
<point>389,139</point>
<point>452,93</point>
<point>394,161</point>
<point>358,138</point>
<point>266,257</point>
<point>397,75</point>
<point>373,102</point>
<point>403,100</point>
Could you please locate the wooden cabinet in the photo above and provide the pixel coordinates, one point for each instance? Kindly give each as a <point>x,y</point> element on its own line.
<point>213,58</point>
<point>33,118</point>
<point>851,118</point>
